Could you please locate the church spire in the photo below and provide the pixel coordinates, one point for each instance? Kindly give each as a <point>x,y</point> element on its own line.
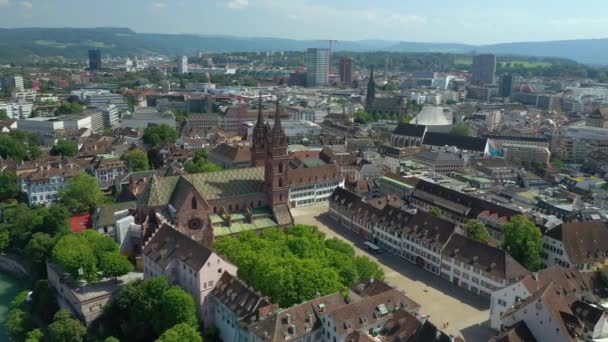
<point>260,122</point>
<point>371,89</point>
<point>278,137</point>
<point>277,117</point>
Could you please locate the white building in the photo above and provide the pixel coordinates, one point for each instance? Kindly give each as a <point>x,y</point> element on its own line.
<point>17,110</point>
<point>45,125</point>
<point>580,285</point>
<point>579,245</point>
<point>182,65</point>
<point>42,185</point>
<point>192,266</point>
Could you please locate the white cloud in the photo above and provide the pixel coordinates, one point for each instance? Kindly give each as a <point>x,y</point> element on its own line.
<point>26,4</point>
<point>4,3</point>
<point>238,4</point>
<point>159,5</point>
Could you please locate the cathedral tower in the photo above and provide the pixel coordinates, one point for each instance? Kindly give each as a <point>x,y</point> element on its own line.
<point>259,140</point>
<point>277,160</point>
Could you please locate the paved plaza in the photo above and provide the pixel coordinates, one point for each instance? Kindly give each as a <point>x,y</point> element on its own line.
<point>466,312</point>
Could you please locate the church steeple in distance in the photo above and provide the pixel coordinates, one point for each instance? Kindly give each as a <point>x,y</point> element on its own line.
<point>371,89</point>
<point>278,134</point>
<point>259,140</point>
<point>260,122</point>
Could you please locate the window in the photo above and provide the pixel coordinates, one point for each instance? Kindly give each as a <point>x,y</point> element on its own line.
<point>280,167</point>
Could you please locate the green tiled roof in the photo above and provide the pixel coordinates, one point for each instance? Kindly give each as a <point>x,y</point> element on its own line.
<point>212,185</point>
<point>238,227</point>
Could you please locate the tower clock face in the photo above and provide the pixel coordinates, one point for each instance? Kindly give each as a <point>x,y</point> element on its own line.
<point>195,223</point>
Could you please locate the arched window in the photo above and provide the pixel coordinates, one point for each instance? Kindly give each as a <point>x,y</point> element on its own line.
<point>280,167</point>
<point>194,204</point>
<point>280,182</point>
<point>259,204</point>
<point>215,210</point>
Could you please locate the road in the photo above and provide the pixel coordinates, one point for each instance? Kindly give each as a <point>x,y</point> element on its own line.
<point>466,313</point>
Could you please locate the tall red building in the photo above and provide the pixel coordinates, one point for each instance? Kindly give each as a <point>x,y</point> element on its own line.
<point>346,70</point>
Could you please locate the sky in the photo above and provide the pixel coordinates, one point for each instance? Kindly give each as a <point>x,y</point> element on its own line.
<point>458,21</point>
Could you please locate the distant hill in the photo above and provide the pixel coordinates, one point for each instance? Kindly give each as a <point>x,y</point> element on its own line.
<point>17,44</point>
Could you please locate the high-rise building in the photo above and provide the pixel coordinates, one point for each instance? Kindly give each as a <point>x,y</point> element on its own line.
<point>94,59</point>
<point>484,69</point>
<point>17,83</point>
<point>317,67</point>
<point>182,65</point>
<point>506,85</point>
<point>346,70</point>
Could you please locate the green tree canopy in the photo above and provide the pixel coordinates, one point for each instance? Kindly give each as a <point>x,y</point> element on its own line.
<point>82,194</point>
<point>436,212</point>
<point>461,130</point>
<point>9,185</point>
<point>66,148</point>
<point>199,164</point>
<point>21,222</point>
<point>35,335</point>
<point>137,160</point>
<point>158,135</point>
<point>180,332</point>
<point>523,240</point>
<point>69,108</point>
<point>297,264</point>
<point>66,329</point>
<point>37,250</point>
<point>84,255</point>
<point>19,145</point>
<point>19,320</point>
<point>163,305</point>
<point>476,230</point>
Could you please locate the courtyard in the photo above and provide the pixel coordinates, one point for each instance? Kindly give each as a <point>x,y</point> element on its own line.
<point>465,313</point>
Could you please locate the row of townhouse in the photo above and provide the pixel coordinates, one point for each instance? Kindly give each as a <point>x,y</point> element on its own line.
<point>429,242</point>
<point>242,314</point>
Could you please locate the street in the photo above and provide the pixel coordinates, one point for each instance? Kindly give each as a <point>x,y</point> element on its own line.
<point>465,312</point>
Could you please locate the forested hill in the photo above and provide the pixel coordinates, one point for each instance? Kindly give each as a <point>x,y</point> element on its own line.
<point>18,44</point>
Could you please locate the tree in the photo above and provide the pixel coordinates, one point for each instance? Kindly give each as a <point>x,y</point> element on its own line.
<point>137,160</point>
<point>476,230</point>
<point>82,194</point>
<point>9,185</point>
<point>69,108</point>
<point>66,329</point>
<point>436,212</point>
<point>19,321</point>
<point>461,130</point>
<point>180,332</point>
<point>66,148</point>
<point>4,239</point>
<point>199,164</point>
<point>163,305</point>
<point>523,240</point>
<point>37,250</point>
<point>44,301</point>
<point>35,335</point>
<point>158,135</point>
<point>111,339</point>
<point>3,114</point>
<point>114,265</point>
<point>176,306</point>
<point>76,256</point>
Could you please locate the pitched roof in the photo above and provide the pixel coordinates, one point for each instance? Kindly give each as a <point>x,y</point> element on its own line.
<point>584,242</point>
<point>410,130</point>
<point>370,310</point>
<point>481,256</point>
<point>573,282</point>
<point>437,156</point>
<point>236,154</point>
<point>589,314</point>
<point>168,244</point>
<point>518,332</point>
<point>211,185</point>
<point>297,321</point>
<point>240,299</point>
<point>461,142</point>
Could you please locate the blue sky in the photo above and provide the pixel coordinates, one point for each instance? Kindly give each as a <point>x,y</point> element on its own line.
<point>463,21</point>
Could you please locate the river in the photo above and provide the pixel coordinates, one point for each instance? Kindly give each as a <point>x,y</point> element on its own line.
<point>9,287</point>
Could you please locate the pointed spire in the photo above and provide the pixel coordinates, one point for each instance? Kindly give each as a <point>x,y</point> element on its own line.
<point>260,122</point>
<point>277,116</point>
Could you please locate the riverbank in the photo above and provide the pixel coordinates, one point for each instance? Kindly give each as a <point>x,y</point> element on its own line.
<point>13,279</point>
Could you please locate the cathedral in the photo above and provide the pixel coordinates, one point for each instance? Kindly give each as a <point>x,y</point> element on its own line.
<point>206,206</point>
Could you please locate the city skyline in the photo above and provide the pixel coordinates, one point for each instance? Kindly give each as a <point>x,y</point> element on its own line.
<point>472,21</point>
